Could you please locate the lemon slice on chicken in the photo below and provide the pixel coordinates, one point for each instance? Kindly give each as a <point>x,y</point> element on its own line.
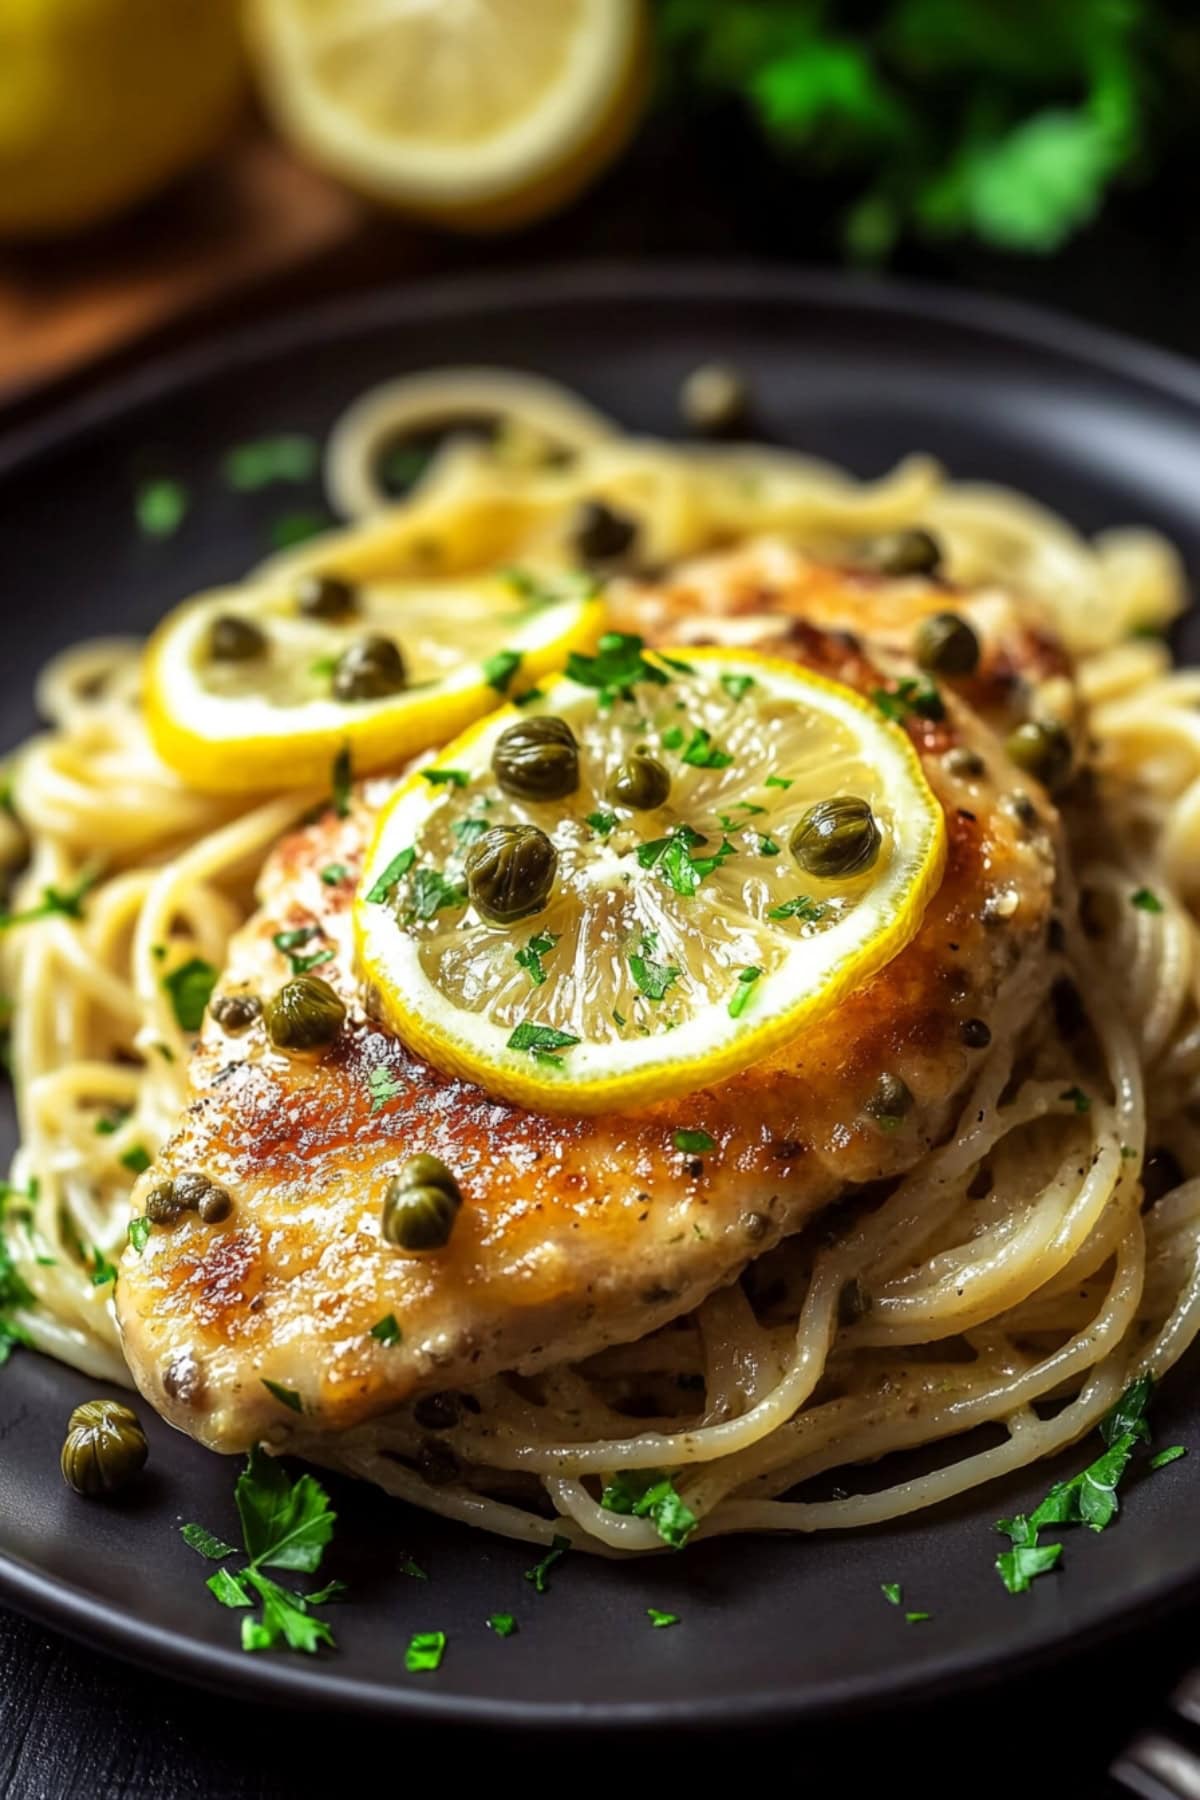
<point>263,686</point>
<point>526,929</point>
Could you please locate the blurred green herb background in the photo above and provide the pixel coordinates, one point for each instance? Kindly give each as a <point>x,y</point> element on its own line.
<point>1005,121</point>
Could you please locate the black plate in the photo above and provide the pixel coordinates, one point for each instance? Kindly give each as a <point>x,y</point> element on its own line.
<point>772,1629</point>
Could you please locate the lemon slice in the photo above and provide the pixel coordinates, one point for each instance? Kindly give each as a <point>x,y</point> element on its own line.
<point>274,718</point>
<point>677,945</point>
<point>481,113</point>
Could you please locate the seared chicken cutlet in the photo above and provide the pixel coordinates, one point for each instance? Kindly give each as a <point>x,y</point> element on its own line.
<point>576,1233</point>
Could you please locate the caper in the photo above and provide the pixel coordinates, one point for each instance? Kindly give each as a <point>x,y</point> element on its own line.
<point>162,1206</point>
<point>325,597</point>
<point>912,552</point>
<point>890,1100</point>
<point>105,1447</point>
<point>424,1170</point>
<point>600,534</point>
<point>640,782</point>
<point>976,1034</point>
<point>510,871</point>
<point>304,1014</point>
<point>419,1218</point>
<point>235,1013</point>
<point>368,670</point>
<point>234,639</point>
<point>714,399</point>
<point>537,759</point>
<point>946,645</point>
<point>190,1189</point>
<point>836,837</point>
<point>1042,748</point>
<point>215,1206</point>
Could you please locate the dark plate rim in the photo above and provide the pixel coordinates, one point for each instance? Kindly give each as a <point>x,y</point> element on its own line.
<point>1109,355</point>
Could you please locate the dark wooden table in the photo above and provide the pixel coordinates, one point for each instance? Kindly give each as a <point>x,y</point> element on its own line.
<point>74,1723</point>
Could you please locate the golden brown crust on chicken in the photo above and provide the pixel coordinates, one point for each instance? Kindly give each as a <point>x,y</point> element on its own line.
<point>574,1233</point>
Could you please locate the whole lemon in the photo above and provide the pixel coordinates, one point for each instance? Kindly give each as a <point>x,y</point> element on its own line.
<point>103,101</point>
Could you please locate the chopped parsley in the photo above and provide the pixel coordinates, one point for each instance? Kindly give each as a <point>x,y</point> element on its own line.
<point>139,1233</point>
<point>297,528</point>
<point>648,1494</point>
<point>670,857</point>
<point>468,831</point>
<point>102,1270</point>
<point>386,1330</point>
<point>737,686</point>
<point>288,457</point>
<point>503,1624</point>
<point>530,958</point>
<point>285,1395</point>
<point>135,1159</point>
<point>410,1566</point>
<point>108,1123</point>
<point>528,697</point>
<point>767,846</point>
<point>660,1620</point>
<point>602,822</point>
<point>285,1525</point>
<point>539,1575</point>
<point>1171,1454</point>
<point>800,906</point>
<point>914,696</point>
<point>702,753</point>
<point>341,775</point>
<point>445,777</point>
<point>729,823</point>
<point>1079,1100</point>
<point>382,1086</point>
<point>892,1592</point>
<point>916,1618</point>
<point>617,665</point>
<point>399,866</point>
<point>425,1651</point>
<point>743,991</point>
<point>498,670</point>
<point>432,893</point>
<point>67,902</point>
<point>672,738</point>
<point>288,942</point>
<point>333,873</point>
<point>1021,1565</point>
<point>190,987</point>
<point>1146,901</point>
<point>552,588</point>
<point>777,781</point>
<point>653,979</point>
<point>693,1143</point>
<point>160,507</point>
<point>542,1042</point>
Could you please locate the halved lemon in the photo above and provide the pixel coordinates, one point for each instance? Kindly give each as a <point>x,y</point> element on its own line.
<point>247,690</point>
<point>479,113</point>
<point>670,946</point>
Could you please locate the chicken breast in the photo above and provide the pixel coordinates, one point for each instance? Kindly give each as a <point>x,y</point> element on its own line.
<point>575,1233</point>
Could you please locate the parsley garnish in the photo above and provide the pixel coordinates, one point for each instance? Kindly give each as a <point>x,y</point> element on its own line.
<point>432,893</point>
<point>1078,1099</point>
<point>425,1651</point>
<point>893,1593</point>
<point>660,1620</point>
<point>399,866</point>
<point>1171,1454</point>
<point>648,1494</point>
<point>139,1233</point>
<point>288,457</point>
<point>801,906</point>
<point>102,1270</point>
<point>1146,901</point>
<point>68,902</point>
<point>669,856</point>
<point>446,777</point>
<point>737,686</point>
<point>386,1330</point>
<point>914,695</point>
<point>288,942</point>
<point>616,666</point>
<point>652,978</point>
<point>503,1624</point>
<point>672,739</point>
<point>777,781</point>
<point>135,1159</point>
<point>108,1123</point>
<point>539,1575</point>
<point>297,528</point>
<point>767,846</point>
<point>530,958</point>
<point>410,1566</point>
<point>382,1086</point>
<point>702,753</point>
<point>602,822</point>
<point>160,507</point>
<point>190,987</point>
<point>341,775</point>
<point>742,992</point>
<point>498,670</point>
<point>285,1525</point>
<point>333,873</point>
<point>468,831</point>
<point>693,1143</point>
<point>551,589</point>
<point>542,1042</point>
<point>916,1618</point>
<point>14,1293</point>
<point>729,823</point>
<point>285,1395</point>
